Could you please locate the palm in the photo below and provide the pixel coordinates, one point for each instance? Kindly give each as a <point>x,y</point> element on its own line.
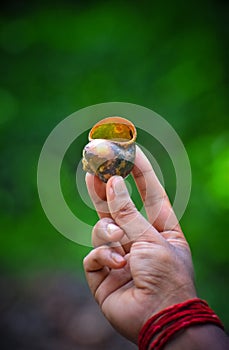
<point>125,291</point>
<point>122,300</point>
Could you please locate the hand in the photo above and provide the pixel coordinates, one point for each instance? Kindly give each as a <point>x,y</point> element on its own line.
<point>138,267</point>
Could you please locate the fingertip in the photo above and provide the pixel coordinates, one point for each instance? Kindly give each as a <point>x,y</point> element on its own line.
<point>90,183</point>
<point>113,229</point>
<point>118,259</point>
<point>116,186</point>
<point>109,189</point>
<point>88,178</point>
<point>114,232</point>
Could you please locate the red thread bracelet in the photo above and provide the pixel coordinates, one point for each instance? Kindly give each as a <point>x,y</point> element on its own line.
<point>162,326</point>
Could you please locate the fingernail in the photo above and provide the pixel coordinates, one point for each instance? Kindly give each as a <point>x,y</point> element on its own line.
<point>111,228</point>
<point>116,257</point>
<point>119,186</point>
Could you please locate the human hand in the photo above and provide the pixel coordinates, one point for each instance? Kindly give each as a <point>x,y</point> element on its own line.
<point>138,267</point>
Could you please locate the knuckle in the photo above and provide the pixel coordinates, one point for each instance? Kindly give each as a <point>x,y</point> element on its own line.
<point>154,198</point>
<point>126,212</point>
<point>100,252</point>
<point>98,231</point>
<point>96,255</point>
<point>102,223</point>
<point>85,262</point>
<point>164,255</point>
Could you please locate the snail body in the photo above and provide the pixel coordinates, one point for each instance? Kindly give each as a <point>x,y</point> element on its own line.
<point>111,148</point>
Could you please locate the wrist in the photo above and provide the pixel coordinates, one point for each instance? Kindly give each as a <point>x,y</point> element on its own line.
<point>199,337</point>
<point>166,324</point>
<point>186,293</point>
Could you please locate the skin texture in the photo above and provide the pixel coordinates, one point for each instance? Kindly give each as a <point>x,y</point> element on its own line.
<point>203,337</point>
<point>138,266</point>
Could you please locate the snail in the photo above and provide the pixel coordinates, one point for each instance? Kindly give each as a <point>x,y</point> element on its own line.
<point>111,148</point>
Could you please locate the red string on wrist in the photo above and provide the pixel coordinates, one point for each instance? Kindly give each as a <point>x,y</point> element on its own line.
<point>162,326</point>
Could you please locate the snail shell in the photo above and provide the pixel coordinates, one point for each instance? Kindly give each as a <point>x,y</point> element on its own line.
<point>111,150</point>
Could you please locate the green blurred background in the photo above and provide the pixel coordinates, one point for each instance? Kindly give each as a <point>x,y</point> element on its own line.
<point>59,57</point>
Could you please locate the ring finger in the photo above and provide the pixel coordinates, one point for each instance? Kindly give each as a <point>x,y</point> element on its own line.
<point>106,232</point>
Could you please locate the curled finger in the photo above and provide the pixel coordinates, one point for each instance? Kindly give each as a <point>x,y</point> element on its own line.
<point>98,263</point>
<point>106,232</point>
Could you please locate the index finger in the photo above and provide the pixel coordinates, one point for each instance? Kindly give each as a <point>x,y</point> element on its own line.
<point>158,208</point>
<point>97,191</point>
<point>157,205</point>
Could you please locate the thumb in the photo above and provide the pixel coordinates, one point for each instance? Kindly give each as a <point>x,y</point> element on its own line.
<point>126,215</point>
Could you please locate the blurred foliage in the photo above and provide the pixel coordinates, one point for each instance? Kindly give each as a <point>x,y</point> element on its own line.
<point>171,57</point>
